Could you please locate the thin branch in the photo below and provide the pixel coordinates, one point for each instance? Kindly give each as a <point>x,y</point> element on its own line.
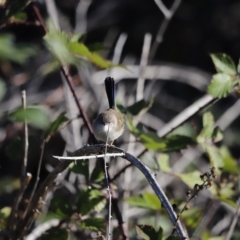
<point>234,222</point>
<point>143,65</point>
<point>163,71</point>
<point>95,149</point>
<point>29,209</point>
<point>163,27</point>
<point>187,113</point>
<point>25,177</point>
<point>119,47</point>
<point>108,190</point>
<point>26,143</point>
<point>42,228</point>
<point>163,8</point>
<point>68,77</point>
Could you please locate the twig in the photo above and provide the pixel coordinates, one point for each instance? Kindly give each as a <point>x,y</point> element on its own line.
<point>42,228</point>
<point>234,222</point>
<point>143,64</point>
<point>163,8</point>
<point>90,157</point>
<point>25,177</point>
<point>108,191</point>
<point>189,112</point>
<point>95,149</point>
<point>119,47</point>
<point>164,25</point>
<point>163,71</point>
<point>68,77</point>
<point>26,143</point>
<point>29,209</point>
<point>14,214</point>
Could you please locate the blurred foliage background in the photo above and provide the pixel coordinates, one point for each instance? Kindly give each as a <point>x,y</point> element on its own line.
<point>177,74</point>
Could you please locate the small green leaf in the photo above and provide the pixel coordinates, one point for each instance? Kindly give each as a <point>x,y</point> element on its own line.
<point>121,108</point>
<point>208,126</point>
<point>21,16</point>
<point>97,175</point>
<point>96,47</point>
<point>60,207</point>
<point>57,43</point>
<point>34,115</point>
<point>221,85</point>
<point>228,201</point>
<point>163,163</point>
<point>80,167</point>
<point>148,232</point>
<point>55,233</point>
<point>95,224</point>
<point>190,178</point>
<point>9,184</point>
<point>54,126</point>
<point>172,143</point>
<point>81,51</point>
<point>214,155</point>
<point>76,37</point>
<point>141,106</point>
<point>230,164</point>
<point>9,51</point>
<point>87,200</point>
<point>135,130</point>
<point>146,200</point>
<point>223,63</point>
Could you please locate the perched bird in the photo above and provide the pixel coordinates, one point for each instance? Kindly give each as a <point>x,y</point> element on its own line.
<point>109,125</point>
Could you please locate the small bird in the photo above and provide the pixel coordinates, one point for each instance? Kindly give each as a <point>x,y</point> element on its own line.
<point>109,125</point>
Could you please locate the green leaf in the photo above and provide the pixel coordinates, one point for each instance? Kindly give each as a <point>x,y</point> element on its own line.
<point>141,106</point>
<point>229,163</point>
<point>94,224</point>
<point>54,126</point>
<point>221,85</point>
<point>97,174</point>
<point>214,155</point>
<point>34,115</point>
<point>57,43</point>
<point>76,37</point>
<point>19,17</point>
<point>13,7</point>
<point>9,51</point>
<point>60,207</point>
<point>163,163</point>
<point>190,178</point>
<point>228,201</point>
<point>146,200</point>
<point>223,63</point>
<point>2,89</point>
<point>55,233</point>
<point>209,131</point>
<point>96,47</point>
<point>135,130</point>
<point>80,167</point>
<point>172,143</point>
<point>148,232</point>
<point>216,238</point>
<point>81,51</point>
<point>87,200</point>
<point>9,184</point>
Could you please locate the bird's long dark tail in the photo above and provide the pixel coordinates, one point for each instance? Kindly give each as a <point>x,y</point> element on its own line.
<point>110,90</point>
